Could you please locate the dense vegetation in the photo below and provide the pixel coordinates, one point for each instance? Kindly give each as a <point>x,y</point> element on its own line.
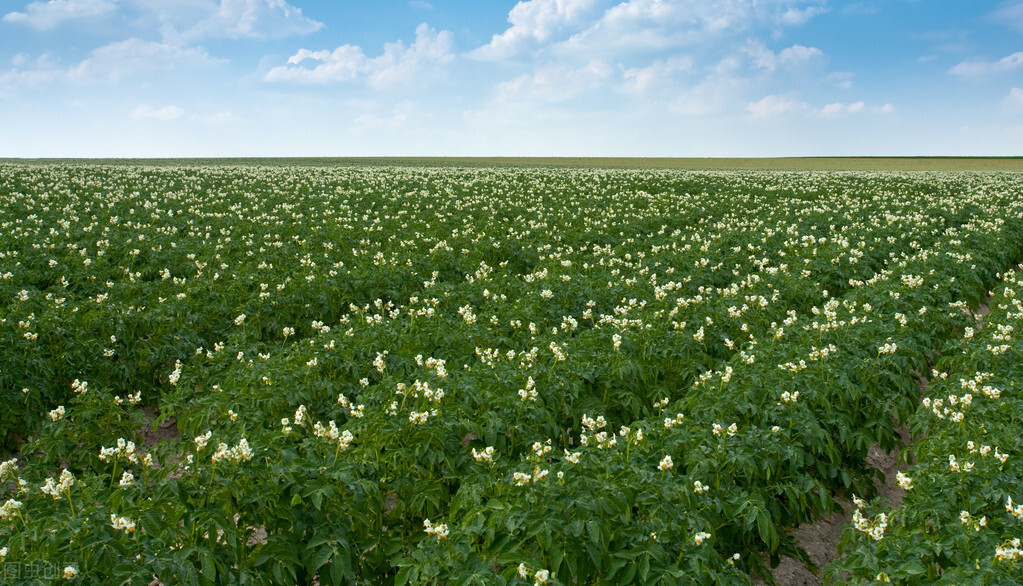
<point>392,375</point>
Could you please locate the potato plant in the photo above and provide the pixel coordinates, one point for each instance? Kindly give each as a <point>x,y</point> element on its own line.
<point>393,375</point>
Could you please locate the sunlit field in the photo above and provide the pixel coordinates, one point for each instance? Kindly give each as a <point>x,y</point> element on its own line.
<point>493,374</point>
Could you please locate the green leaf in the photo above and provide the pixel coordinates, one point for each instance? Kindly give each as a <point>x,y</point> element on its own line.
<point>403,576</point>
<point>594,530</point>
<point>912,568</point>
<point>321,558</point>
<point>209,566</point>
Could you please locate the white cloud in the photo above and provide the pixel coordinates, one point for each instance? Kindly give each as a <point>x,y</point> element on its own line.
<point>800,16</point>
<point>639,80</point>
<point>556,83</point>
<point>842,79</point>
<point>646,25</point>
<point>111,62</point>
<point>397,64</point>
<point>794,56</point>
<point>240,19</point>
<point>979,68</point>
<point>776,105</point>
<point>534,22</point>
<point>144,112</point>
<point>1014,101</point>
<point>132,56</point>
<point>421,5</point>
<point>839,109</point>
<point>711,95</point>
<point>1010,14</point>
<point>783,104</point>
<point>47,15</point>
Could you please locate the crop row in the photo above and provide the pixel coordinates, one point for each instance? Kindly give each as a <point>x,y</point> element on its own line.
<point>409,375</point>
<point>960,520</point>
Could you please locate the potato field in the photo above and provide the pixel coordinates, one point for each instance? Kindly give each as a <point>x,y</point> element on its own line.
<point>355,374</point>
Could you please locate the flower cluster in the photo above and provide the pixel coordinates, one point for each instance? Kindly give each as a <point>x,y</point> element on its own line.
<point>331,433</point>
<point>238,453</point>
<point>124,449</point>
<point>122,523</point>
<point>9,508</point>
<point>540,577</point>
<point>484,455</point>
<point>61,487</point>
<point>873,527</point>
<point>440,531</point>
<point>666,463</point>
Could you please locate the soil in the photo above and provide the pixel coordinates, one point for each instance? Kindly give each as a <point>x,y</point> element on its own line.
<point>820,539</point>
<point>154,434</point>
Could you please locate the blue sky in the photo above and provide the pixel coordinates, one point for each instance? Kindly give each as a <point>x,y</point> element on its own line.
<point>156,78</point>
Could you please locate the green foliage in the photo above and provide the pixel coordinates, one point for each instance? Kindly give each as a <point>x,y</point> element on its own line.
<point>487,376</point>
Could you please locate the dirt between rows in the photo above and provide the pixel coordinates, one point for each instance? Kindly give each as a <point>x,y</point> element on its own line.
<point>820,539</point>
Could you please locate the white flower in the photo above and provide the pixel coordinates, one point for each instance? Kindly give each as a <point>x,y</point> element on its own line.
<point>122,523</point>
<point>173,377</point>
<point>56,489</point>
<point>9,508</point>
<point>127,479</point>
<point>485,455</point>
<point>666,464</point>
<point>905,482</point>
<point>201,440</point>
<point>441,531</point>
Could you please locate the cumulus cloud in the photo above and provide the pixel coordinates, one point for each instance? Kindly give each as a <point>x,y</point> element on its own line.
<point>113,62</point>
<point>842,79</point>
<point>557,83</point>
<point>1014,101</point>
<point>1010,14</point>
<point>144,112</point>
<point>784,104</point>
<point>710,95</point>
<point>776,105</point>
<point>48,15</point>
<point>839,109</point>
<point>639,80</point>
<point>534,22</point>
<point>239,19</point>
<point>800,16</point>
<point>132,56</point>
<point>980,68</point>
<point>794,56</point>
<point>644,25</point>
<point>397,64</point>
